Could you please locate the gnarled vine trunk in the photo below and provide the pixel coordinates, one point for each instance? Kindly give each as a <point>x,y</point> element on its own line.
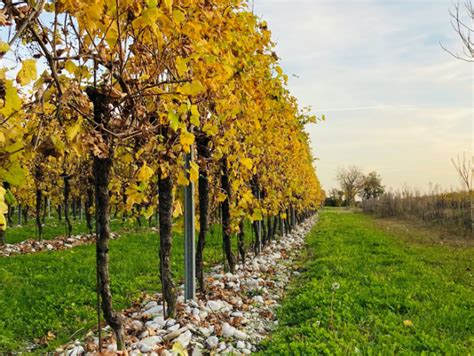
<point>101,171</point>
<point>165,211</point>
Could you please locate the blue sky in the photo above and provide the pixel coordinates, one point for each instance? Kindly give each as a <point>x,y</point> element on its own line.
<point>395,102</point>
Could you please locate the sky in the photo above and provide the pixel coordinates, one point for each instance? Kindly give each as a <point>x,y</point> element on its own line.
<point>394,100</point>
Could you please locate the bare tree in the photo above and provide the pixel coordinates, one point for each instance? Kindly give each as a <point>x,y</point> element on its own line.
<point>462,18</point>
<point>351,180</point>
<point>464,169</point>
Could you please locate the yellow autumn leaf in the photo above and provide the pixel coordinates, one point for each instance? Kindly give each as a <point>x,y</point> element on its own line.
<point>187,139</point>
<point>407,323</point>
<point>210,129</point>
<point>221,197</point>
<point>193,88</point>
<point>182,180</point>
<point>178,16</point>
<point>178,209</point>
<point>247,162</point>
<point>70,66</point>
<point>148,212</point>
<point>145,173</point>
<point>181,66</point>
<point>179,350</point>
<point>4,47</point>
<point>168,4</point>
<point>27,72</point>
<point>193,172</point>
<point>174,120</point>
<point>72,131</point>
<point>256,215</point>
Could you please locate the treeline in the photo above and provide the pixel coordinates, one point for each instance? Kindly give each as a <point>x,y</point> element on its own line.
<point>451,210</point>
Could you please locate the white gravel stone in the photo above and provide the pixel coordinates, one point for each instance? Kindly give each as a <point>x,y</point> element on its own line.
<point>228,330</point>
<point>212,342</point>
<point>185,338</point>
<point>214,305</point>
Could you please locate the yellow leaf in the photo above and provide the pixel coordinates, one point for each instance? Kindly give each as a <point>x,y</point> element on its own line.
<point>174,120</point>
<point>179,349</point>
<point>187,139</point>
<point>168,4</point>
<point>195,115</point>
<point>221,197</point>
<point>178,209</point>
<point>247,162</point>
<point>15,174</point>
<point>209,129</point>
<point>144,173</point>
<point>27,72</point>
<point>72,131</point>
<point>70,66</point>
<point>408,323</point>
<point>193,172</point>
<point>182,180</point>
<point>181,66</point>
<point>193,88</point>
<point>256,215</point>
<point>4,47</point>
<point>148,212</point>
<point>178,16</point>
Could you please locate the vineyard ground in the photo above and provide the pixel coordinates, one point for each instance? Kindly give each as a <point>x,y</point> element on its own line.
<point>55,291</point>
<point>368,286</point>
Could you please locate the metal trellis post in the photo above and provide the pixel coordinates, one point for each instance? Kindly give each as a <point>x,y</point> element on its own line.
<point>189,234</point>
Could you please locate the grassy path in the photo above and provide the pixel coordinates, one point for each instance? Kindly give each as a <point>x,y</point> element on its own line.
<point>365,290</point>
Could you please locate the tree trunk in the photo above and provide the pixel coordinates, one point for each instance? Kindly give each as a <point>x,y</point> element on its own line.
<point>102,167</point>
<point>269,228</point>
<point>241,241</point>
<point>25,214</point>
<point>203,188</point>
<point>45,209</point>
<point>274,228</point>
<point>9,215</point>
<point>225,208</point>
<point>101,172</point>
<point>19,214</point>
<point>165,207</point>
<point>67,190</point>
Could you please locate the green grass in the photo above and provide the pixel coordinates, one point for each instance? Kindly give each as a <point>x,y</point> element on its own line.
<point>53,228</point>
<point>55,291</point>
<point>384,281</point>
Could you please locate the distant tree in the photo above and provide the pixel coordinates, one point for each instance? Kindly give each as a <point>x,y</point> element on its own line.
<point>465,172</point>
<point>351,181</point>
<point>335,198</point>
<point>462,19</point>
<point>372,187</point>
